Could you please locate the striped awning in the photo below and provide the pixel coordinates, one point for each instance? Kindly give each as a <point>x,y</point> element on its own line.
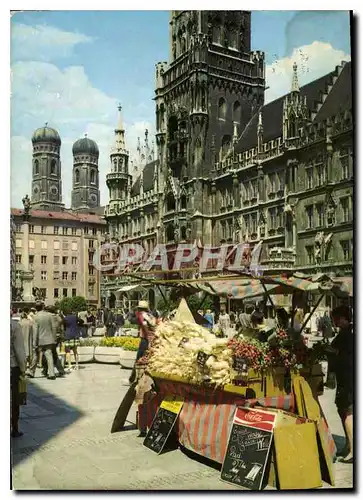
<point>240,289</point>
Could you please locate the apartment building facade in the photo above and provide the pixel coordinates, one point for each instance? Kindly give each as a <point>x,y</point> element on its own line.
<point>60,247</point>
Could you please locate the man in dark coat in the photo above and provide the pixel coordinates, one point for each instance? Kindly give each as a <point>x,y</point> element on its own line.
<point>45,339</point>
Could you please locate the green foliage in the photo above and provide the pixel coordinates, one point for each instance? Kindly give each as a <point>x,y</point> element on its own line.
<point>88,343</point>
<point>127,343</point>
<point>72,304</point>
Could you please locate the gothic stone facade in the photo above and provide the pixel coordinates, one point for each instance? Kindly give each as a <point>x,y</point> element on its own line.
<point>230,168</point>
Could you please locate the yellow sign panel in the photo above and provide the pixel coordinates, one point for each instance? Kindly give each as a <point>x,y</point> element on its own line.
<point>173,404</point>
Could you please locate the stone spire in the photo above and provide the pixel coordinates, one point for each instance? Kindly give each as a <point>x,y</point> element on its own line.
<point>295,82</point>
<point>120,132</point>
<point>260,132</point>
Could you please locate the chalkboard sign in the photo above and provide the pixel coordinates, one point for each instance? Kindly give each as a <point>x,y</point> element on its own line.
<point>202,359</point>
<point>248,448</point>
<point>163,424</point>
<point>240,365</point>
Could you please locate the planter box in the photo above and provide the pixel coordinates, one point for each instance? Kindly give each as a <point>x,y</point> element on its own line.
<point>127,358</point>
<point>86,354</point>
<point>107,354</point>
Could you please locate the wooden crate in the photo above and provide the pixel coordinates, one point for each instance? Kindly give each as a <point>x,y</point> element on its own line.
<point>275,383</point>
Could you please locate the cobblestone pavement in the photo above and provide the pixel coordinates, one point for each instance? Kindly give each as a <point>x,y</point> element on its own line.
<point>67,442</point>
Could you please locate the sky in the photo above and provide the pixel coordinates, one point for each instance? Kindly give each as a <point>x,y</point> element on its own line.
<point>72,68</point>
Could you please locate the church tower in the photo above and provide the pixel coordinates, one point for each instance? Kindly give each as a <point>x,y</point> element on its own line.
<point>295,111</point>
<point>205,96</point>
<point>119,180</point>
<point>46,178</point>
<point>85,191</point>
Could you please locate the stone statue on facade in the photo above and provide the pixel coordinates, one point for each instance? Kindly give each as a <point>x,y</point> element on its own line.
<point>26,205</point>
<point>319,242</point>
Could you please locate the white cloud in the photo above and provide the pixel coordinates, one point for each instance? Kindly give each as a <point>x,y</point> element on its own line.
<point>43,43</point>
<point>48,93</point>
<point>313,61</point>
<point>21,169</point>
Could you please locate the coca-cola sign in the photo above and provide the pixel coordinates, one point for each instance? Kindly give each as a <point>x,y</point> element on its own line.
<point>258,419</point>
<point>253,417</point>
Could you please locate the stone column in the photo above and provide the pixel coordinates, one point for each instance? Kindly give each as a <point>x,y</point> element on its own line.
<point>27,275</point>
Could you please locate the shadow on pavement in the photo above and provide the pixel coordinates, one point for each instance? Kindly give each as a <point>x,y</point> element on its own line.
<point>42,418</point>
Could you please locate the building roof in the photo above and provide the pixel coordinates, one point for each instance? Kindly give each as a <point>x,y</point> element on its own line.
<point>340,97</point>
<point>85,146</point>
<point>148,179</point>
<point>46,134</point>
<point>65,215</point>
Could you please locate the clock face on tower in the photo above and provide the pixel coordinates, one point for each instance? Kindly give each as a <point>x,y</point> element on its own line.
<point>93,198</point>
<point>53,192</point>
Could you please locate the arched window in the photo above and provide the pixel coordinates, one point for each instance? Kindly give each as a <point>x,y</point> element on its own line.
<point>53,166</point>
<point>183,233</point>
<point>36,167</point>
<point>76,175</point>
<point>170,232</point>
<point>222,108</point>
<point>183,46</point>
<point>93,177</point>
<point>170,202</point>
<point>216,36</point>
<point>183,202</point>
<point>233,39</point>
<point>237,112</point>
<point>173,127</point>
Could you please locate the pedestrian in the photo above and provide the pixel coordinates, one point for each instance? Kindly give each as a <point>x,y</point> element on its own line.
<point>17,367</point>
<point>83,316</point>
<point>120,321</point>
<point>45,340</point>
<point>110,323</point>
<point>326,326</point>
<point>26,325</point>
<point>340,356</point>
<point>58,327</point>
<point>147,324</point>
<point>90,323</point>
<point>224,321</point>
<point>209,317</point>
<point>72,325</point>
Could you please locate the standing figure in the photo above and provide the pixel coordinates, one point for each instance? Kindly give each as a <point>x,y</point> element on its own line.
<point>341,356</point>
<point>72,327</point>
<point>147,324</point>
<point>224,321</point>
<point>83,316</point>
<point>17,367</point>
<point>209,317</point>
<point>45,340</point>
<point>26,325</point>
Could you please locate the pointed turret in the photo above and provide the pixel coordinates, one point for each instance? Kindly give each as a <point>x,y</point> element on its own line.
<point>260,132</point>
<point>120,146</point>
<point>119,177</point>
<point>295,82</point>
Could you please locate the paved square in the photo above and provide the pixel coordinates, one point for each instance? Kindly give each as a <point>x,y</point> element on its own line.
<point>67,442</point>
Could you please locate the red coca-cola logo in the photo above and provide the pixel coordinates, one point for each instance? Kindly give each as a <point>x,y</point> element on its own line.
<point>253,417</point>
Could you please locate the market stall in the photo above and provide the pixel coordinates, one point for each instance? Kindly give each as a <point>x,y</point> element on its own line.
<point>211,377</point>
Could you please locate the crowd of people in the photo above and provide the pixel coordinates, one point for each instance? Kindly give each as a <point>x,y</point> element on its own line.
<point>36,333</point>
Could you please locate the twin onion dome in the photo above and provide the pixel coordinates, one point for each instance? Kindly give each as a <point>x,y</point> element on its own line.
<point>85,146</point>
<point>46,134</point>
<point>49,135</point>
